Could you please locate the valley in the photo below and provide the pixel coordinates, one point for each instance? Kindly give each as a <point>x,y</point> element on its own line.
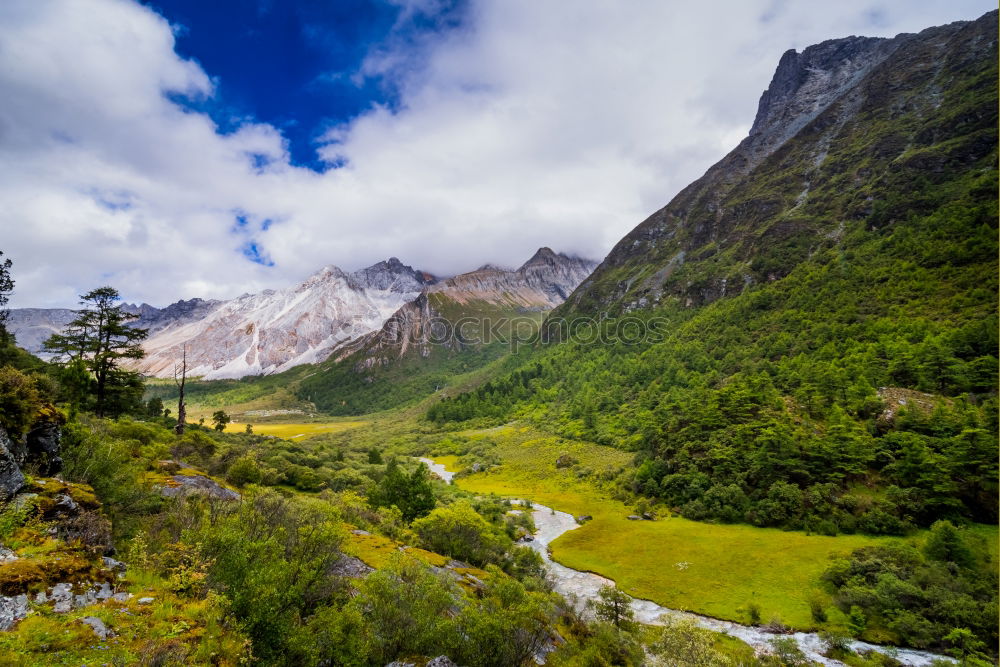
<point>761,432</point>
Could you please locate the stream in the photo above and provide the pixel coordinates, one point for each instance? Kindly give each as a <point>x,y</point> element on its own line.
<point>583,586</point>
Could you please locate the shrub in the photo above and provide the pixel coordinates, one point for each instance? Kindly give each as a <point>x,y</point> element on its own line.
<point>19,401</point>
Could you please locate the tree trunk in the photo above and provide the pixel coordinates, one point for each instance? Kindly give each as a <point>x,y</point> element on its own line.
<point>181,408</point>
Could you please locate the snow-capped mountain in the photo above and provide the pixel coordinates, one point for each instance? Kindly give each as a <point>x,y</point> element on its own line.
<point>276,329</point>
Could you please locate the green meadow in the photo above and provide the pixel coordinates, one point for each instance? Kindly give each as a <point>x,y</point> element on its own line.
<point>712,569</point>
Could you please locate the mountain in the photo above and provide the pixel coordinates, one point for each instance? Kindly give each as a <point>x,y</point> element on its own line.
<point>32,326</point>
<point>455,326</point>
<point>850,131</point>
<point>820,350</point>
<point>278,329</point>
<point>537,286</point>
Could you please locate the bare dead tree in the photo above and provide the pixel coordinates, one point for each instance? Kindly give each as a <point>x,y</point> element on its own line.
<point>181,406</point>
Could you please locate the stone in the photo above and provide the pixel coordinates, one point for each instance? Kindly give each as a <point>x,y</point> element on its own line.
<point>97,625</point>
<point>104,592</point>
<point>65,506</point>
<point>647,516</point>
<point>121,597</point>
<point>114,565</point>
<point>7,555</point>
<point>634,517</point>
<point>145,600</point>
<point>198,484</point>
<point>351,567</point>
<point>11,478</point>
<point>42,446</point>
<point>583,518</point>
<point>12,609</point>
<point>441,661</point>
<point>62,595</point>
<point>358,531</point>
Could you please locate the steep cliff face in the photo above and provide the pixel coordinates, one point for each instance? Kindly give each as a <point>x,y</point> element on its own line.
<point>842,124</point>
<point>277,329</point>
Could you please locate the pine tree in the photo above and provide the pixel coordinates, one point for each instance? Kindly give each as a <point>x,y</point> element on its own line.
<point>98,340</point>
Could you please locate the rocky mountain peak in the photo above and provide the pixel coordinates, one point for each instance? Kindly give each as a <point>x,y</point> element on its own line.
<point>805,84</point>
<point>392,275</point>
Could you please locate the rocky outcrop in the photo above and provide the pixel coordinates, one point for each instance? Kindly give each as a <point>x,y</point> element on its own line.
<point>197,484</point>
<point>41,448</point>
<point>11,478</point>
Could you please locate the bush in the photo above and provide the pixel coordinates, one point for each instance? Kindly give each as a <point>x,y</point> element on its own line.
<point>19,401</point>
<point>460,532</point>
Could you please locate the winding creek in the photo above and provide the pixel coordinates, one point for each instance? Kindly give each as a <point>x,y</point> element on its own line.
<point>583,586</point>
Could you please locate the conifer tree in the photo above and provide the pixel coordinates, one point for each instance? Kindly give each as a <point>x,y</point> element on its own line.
<point>97,341</point>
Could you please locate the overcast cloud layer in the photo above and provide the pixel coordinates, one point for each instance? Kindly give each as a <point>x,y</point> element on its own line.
<point>538,123</point>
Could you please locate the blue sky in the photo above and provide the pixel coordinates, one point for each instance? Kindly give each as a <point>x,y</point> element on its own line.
<point>208,148</point>
<point>295,65</point>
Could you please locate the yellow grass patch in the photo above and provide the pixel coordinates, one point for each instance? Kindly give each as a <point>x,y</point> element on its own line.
<point>298,431</point>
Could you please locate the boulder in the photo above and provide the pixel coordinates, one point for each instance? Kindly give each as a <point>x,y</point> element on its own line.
<point>634,517</point>
<point>97,625</point>
<point>12,609</point>
<point>350,567</point>
<point>441,661</point>
<point>41,448</point>
<point>583,518</point>
<point>11,478</point>
<point>199,484</point>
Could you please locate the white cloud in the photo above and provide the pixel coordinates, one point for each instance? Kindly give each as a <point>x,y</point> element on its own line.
<point>537,123</point>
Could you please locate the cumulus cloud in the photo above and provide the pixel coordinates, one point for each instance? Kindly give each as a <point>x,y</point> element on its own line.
<point>533,123</point>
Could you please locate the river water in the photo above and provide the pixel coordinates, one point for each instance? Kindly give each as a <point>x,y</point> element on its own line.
<point>583,586</point>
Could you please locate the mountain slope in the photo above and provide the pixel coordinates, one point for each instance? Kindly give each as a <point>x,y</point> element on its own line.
<point>826,307</point>
<point>843,125</point>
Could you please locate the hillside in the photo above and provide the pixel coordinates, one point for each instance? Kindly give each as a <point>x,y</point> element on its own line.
<point>824,300</point>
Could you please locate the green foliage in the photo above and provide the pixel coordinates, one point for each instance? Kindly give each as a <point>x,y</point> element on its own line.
<point>945,543</point>
<point>101,453</point>
<point>615,607</point>
<point>411,493</point>
<point>243,471</point>
<point>19,401</point>
<point>921,600</point>
<point>681,643</point>
<point>462,533</point>
<point>220,419</point>
<point>273,559</point>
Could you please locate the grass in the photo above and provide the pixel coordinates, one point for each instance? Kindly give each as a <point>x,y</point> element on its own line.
<point>711,569</point>
<point>296,431</point>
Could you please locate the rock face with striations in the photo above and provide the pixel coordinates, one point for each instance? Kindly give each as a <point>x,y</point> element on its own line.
<point>842,123</point>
